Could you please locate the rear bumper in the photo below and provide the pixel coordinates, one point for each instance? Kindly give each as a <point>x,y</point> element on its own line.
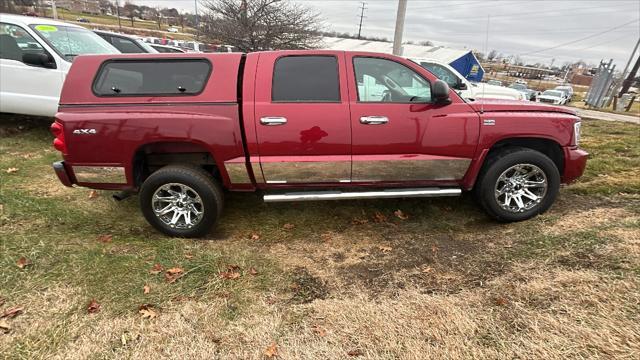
<point>62,173</point>
<point>575,161</point>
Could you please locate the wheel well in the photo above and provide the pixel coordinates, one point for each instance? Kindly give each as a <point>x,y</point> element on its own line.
<point>548,147</point>
<point>151,157</point>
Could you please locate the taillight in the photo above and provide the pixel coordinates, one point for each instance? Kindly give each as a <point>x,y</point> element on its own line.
<point>58,143</point>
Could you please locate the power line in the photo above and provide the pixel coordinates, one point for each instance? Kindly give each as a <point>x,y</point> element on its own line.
<point>581,39</point>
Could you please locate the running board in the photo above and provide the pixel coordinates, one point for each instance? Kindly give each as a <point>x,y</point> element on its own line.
<point>380,194</point>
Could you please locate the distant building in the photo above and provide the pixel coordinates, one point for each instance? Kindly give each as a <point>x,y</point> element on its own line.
<point>462,60</point>
<point>80,6</point>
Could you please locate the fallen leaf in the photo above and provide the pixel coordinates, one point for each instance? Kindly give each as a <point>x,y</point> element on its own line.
<point>434,249</point>
<point>319,331</point>
<point>359,221</point>
<point>123,340</point>
<point>12,312</point>
<point>501,301</point>
<point>271,351</point>
<point>188,256</point>
<point>379,217</point>
<point>400,215</point>
<point>230,274</point>
<point>156,269</point>
<point>173,274</point>
<point>4,326</point>
<point>105,238</point>
<point>355,352</point>
<point>147,311</point>
<point>385,249</point>
<point>93,194</point>
<point>23,262</point>
<point>288,226</point>
<point>427,270</point>
<point>146,289</point>
<point>253,271</point>
<point>255,236</point>
<point>93,307</point>
<point>12,170</point>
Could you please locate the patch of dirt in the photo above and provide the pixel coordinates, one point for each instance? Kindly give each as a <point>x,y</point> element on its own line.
<point>306,287</point>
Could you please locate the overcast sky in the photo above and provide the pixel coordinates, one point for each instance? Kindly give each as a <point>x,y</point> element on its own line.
<point>571,30</point>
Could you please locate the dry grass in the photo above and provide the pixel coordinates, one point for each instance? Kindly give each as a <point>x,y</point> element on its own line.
<point>346,278</point>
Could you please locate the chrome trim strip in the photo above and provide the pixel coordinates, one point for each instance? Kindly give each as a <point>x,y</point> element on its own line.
<point>237,171</point>
<point>381,194</point>
<point>257,169</point>
<point>409,170</point>
<point>306,171</point>
<point>276,181</point>
<point>100,174</point>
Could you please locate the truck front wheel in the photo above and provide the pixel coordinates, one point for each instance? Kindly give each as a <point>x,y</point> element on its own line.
<point>517,184</point>
<point>181,200</point>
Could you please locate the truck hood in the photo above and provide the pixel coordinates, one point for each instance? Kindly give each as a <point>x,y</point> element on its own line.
<point>495,105</point>
<point>484,90</point>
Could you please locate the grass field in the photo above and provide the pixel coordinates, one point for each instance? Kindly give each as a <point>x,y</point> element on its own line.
<point>140,27</point>
<point>327,280</point>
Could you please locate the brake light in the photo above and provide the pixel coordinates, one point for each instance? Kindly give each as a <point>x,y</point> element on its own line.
<point>58,143</point>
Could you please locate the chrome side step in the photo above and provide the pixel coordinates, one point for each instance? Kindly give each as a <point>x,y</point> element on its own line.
<point>379,194</point>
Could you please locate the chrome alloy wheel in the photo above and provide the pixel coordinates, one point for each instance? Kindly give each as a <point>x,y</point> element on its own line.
<point>177,205</point>
<point>520,188</point>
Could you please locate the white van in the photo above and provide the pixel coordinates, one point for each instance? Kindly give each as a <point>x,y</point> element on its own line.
<point>464,87</point>
<point>35,56</point>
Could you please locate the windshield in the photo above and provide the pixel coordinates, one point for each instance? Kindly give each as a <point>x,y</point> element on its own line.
<point>71,41</point>
<point>518,86</point>
<point>552,93</point>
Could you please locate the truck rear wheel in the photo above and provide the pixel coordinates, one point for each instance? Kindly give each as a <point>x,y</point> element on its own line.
<point>517,184</point>
<point>181,200</point>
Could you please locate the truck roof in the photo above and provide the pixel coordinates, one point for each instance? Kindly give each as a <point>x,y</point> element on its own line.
<point>32,20</point>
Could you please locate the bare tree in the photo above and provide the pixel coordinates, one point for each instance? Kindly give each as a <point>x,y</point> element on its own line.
<point>130,11</point>
<point>254,25</point>
<point>492,55</point>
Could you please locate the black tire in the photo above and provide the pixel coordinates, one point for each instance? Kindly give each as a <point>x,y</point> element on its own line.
<point>209,198</point>
<point>504,160</point>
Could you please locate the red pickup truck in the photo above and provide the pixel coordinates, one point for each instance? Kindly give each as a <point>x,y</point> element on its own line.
<point>301,125</point>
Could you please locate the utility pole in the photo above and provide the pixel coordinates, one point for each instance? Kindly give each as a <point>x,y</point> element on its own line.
<point>397,37</point>
<point>626,84</point>
<point>54,10</point>
<point>361,18</point>
<point>118,15</point>
<point>195,2</point>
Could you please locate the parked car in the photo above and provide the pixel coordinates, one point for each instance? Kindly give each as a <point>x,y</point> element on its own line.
<point>521,81</point>
<point>173,30</point>
<point>555,97</point>
<point>464,87</point>
<point>126,44</point>
<point>35,56</point>
<point>495,82</point>
<point>529,94</point>
<point>166,49</point>
<point>82,20</point>
<point>567,90</point>
<point>301,125</point>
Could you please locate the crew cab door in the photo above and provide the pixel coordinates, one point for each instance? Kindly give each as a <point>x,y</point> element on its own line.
<point>302,118</point>
<point>399,134</point>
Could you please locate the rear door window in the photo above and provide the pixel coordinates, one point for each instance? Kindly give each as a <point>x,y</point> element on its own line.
<point>152,77</point>
<point>305,78</point>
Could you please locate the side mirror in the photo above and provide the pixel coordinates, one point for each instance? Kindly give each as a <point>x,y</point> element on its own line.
<point>461,85</point>
<point>42,60</point>
<point>440,93</point>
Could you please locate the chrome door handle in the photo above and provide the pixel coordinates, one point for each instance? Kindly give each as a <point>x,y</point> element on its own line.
<point>374,120</point>
<point>273,120</point>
